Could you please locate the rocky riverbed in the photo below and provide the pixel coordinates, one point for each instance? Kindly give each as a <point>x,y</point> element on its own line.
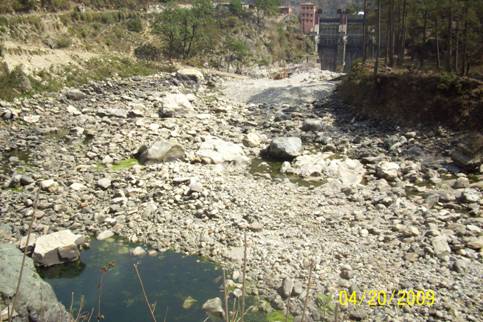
<point>374,207</point>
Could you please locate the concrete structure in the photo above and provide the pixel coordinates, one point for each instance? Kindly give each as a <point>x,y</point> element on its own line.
<point>308,17</point>
<point>340,41</point>
<point>285,10</point>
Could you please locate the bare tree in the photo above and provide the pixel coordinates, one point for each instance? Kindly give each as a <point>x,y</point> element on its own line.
<point>378,36</point>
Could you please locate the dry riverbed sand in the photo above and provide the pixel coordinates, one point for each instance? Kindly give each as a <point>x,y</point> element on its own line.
<point>379,210</point>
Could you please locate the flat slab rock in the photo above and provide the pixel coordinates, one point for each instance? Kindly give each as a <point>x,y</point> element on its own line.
<point>57,248</point>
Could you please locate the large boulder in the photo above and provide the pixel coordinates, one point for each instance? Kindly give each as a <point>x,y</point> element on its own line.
<point>215,150</point>
<point>469,154</point>
<point>285,148</point>
<point>161,151</point>
<point>347,171</point>
<point>57,248</point>
<point>190,74</point>
<point>36,301</point>
<point>174,105</point>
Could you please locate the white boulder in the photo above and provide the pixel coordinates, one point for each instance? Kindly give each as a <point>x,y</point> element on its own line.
<point>215,150</point>
<point>347,171</point>
<point>57,248</point>
<point>175,104</point>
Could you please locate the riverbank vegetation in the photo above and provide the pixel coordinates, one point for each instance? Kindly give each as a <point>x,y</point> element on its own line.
<point>429,34</point>
<point>422,63</point>
<point>414,98</point>
<point>146,34</point>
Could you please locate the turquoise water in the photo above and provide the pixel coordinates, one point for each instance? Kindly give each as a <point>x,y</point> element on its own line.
<point>169,278</point>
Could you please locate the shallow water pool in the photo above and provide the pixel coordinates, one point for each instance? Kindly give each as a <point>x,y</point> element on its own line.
<point>169,278</point>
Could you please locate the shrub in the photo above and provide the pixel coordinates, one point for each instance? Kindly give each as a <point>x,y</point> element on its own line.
<point>56,5</point>
<point>13,83</point>
<point>6,6</point>
<point>135,24</point>
<point>148,52</point>
<point>63,41</point>
<point>24,5</point>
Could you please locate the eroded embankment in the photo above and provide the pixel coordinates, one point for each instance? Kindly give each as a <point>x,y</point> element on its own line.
<point>415,98</point>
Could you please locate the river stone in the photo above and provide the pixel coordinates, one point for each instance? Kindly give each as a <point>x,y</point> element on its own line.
<point>348,171</point>
<point>214,309</point>
<point>104,183</point>
<point>26,180</point>
<point>49,185</point>
<point>387,170</point>
<point>190,74</point>
<point>470,195</point>
<point>440,246</point>
<point>476,243</point>
<point>161,151</point>
<point>31,118</point>
<point>312,125</point>
<point>7,115</point>
<point>215,150</point>
<point>57,248</point>
<point>31,244</point>
<point>36,297</point>
<point>138,251</point>
<point>195,186</point>
<point>468,154</point>
<point>252,140</point>
<point>113,112</point>
<point>175,104</point>
<point>72,110</point>
<point>287,287</point>
<point>106,234</point>
<point>75,95</point>
<point>285,148</point>
<point>77,186</point>
<point>298,288</point>
<point>461,182</point>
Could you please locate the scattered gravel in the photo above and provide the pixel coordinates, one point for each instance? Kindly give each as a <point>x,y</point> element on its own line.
<point>412,222</point>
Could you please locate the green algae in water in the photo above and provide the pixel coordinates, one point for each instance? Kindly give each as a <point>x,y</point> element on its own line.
<point>169,279</point>
<point>278,316</point>
<point>124,164</point>
<point>177,284</point>
<point>262,167</point>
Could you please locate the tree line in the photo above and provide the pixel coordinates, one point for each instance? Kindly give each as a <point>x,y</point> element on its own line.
<point>200,29</point>
<point>429,34</point>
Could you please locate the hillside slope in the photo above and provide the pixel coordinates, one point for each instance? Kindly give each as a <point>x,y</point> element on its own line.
<point>50,50</point>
